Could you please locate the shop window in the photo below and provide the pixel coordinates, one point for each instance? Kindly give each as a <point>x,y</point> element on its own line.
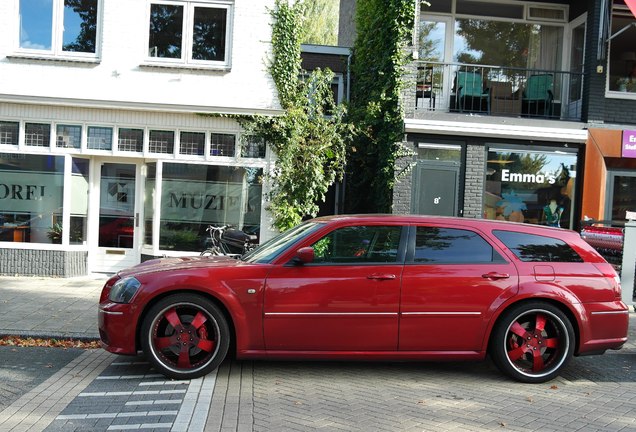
<point>186,32</point>
<point>222,144</point>
<point>252,147</point>
<point>130,140</point>
<point>31,192</point>
<point>100,138</point>
<point>161,142</point>
<point>79,201</point>
<point>530,186</point>
<point>622,51</point>
<point>68,136</point>
<point>192,143</point>
<point>9,133</point>
<point>59,27</point>
<point>37,134</point>
<point>194,196</point>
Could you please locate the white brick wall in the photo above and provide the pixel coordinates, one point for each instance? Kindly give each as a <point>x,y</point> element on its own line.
<point>118,81</point>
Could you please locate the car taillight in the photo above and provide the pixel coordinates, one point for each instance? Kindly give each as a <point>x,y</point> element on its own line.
<point>617,287</point>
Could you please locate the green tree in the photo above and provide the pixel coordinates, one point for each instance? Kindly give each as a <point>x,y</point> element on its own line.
<point>320,25</point>
<point>384,27</point>
<point>310,146</point>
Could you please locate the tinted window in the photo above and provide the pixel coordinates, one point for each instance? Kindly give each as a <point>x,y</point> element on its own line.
<point>530,247</point>
<point>359,244</point>
<point>448,245</point>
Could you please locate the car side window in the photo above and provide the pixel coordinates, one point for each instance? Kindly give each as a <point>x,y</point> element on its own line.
<point>359,244</point>
<point>537,248</point>
<point>452,246</point>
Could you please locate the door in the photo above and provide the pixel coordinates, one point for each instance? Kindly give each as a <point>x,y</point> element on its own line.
<point>345,300</point>
<point>452,282</point>
<point>117,238</point>
<point>621,197</point>
<point>577,51</point>
<point>436,189</point>
<point>434,39</point>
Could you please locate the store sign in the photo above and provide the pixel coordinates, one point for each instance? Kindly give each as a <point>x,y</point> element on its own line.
<point>25,192</point>
<point>210,202</point>
<point>629,144</point>
<point>508,176</point>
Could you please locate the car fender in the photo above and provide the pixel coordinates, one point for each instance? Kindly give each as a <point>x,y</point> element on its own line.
<point>243,307</point>
<point>552,293</point>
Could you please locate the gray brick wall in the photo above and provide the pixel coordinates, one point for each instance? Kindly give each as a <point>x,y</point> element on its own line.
<point>404,182</point>
<point>33,262</point>
<point>475,181</point>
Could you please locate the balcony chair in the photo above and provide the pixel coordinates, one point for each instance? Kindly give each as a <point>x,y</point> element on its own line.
<point>538,96</point>
<point>471,85</point>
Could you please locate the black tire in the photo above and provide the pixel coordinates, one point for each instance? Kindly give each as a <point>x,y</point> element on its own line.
<point>532,342</point>
<point>185,336</point>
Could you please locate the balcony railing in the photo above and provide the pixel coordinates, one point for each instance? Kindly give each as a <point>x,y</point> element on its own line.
<point>498,91</point>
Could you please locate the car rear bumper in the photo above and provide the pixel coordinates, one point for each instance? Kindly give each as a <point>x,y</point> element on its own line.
<point>117,328</point>
<point>608,325</point>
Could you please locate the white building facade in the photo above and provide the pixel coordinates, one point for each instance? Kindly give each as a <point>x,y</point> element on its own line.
<point>114,147</point>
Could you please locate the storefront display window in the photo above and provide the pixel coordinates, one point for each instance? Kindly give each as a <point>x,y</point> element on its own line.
<point>530,186</point>
<point>195,196</point>
<point>31,191</point>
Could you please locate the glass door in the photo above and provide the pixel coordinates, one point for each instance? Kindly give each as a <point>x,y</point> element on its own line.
<point>577,50</point>
<point>434,55</point>
<point>118,220</point>
<point>621,197</point>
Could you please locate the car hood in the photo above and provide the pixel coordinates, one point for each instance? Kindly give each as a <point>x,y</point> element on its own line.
<point>185,262</point>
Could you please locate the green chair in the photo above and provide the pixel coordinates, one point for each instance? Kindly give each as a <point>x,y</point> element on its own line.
<point>470,85</point>
<point>538,95</point>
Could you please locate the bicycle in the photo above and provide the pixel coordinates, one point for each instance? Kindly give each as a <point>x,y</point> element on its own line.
<point>227,241</point>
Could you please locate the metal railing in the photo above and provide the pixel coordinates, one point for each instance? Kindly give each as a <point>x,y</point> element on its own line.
<point>498,91</point>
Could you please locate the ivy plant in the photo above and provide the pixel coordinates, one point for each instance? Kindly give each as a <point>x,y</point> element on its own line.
<point>384,28</point>
<point>310,138</point>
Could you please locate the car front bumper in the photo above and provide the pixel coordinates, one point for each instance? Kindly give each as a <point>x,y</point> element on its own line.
<point>117,325</point>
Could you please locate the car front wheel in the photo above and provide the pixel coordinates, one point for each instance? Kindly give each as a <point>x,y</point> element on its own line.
<point>185,336</point>
<point>532,342</point>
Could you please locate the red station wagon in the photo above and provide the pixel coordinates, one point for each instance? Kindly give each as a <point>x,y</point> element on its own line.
<point>375,287</point>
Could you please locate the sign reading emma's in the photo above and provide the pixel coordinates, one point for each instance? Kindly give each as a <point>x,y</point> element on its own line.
<point>629,144</point>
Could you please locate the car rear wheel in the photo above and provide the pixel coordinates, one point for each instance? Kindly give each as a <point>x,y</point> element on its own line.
<point>532,342</point>
<point>185,336</point>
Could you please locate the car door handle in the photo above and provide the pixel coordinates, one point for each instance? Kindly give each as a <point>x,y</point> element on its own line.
<point>380,276</point>
<point>495,275</point>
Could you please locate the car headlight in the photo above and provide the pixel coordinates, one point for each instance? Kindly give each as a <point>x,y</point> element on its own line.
<point>124,290</point>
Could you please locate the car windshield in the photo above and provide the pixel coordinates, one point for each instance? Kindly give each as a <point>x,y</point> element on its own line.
<point>275,246</point>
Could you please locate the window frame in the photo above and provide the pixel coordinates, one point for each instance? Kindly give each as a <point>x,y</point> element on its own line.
<point>616,12</point>
<point>57,37</point>
<point>186,60</point>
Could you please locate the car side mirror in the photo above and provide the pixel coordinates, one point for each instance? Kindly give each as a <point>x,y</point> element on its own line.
<point>304,255</point>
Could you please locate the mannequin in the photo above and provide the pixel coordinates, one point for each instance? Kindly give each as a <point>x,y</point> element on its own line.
<point>552,213</point>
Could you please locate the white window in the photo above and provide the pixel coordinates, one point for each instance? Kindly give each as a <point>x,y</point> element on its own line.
<point>190,33</point>
<point>59,28</point>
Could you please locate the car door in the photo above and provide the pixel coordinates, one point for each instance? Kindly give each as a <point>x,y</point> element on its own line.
<point>452,282</point>
<point>347,299</point>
